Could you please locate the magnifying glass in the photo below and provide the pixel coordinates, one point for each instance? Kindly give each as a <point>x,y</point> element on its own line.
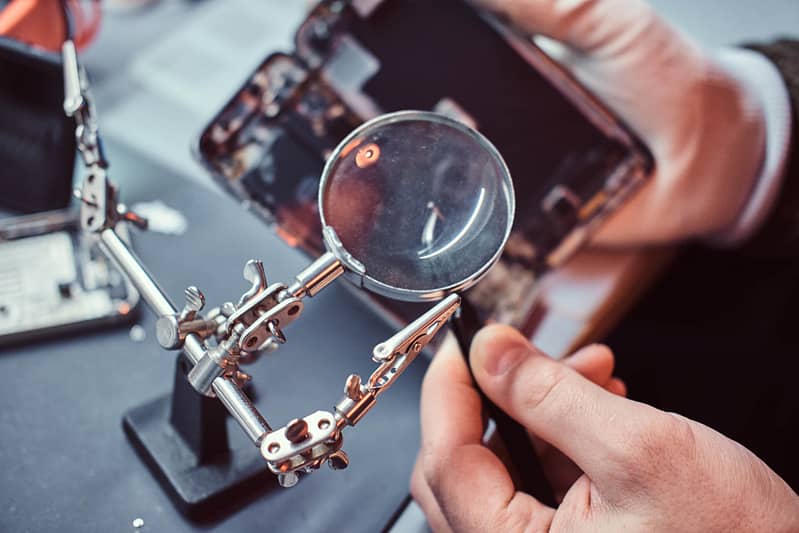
<point>416,205</point>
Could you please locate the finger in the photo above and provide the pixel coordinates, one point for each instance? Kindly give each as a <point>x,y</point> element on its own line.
<point>581,419</point>
<point>617,387</point>
<point>561,471</point>
<point>594,362</point>
<point>593,365</point>
<point>585,25</point>
<point>424,497</point>
<point>472,487</point>
<point>449,400</point>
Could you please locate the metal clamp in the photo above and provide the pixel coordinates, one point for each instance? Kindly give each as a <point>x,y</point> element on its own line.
<point>395,355</point>
<point>79,105</point>
<point>304,444</point>
<point>99,208</point>
<point>398,352</point>
<point>299,443</point>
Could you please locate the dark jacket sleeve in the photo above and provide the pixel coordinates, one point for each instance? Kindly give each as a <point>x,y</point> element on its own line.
<point>779,236</point>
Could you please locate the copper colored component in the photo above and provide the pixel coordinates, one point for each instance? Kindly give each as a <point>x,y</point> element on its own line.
<point>367,156</point>
<point>352,145</point>
<point>297,431</point>
<point>338,460</point>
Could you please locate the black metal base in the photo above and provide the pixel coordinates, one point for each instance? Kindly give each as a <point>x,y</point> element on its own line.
<point>182,439</point>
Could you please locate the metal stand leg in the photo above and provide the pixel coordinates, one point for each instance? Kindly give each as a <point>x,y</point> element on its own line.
<point>183,440</point>
<point>197,419</point>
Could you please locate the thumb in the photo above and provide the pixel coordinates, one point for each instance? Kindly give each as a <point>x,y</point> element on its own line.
<point>587,26</point>
<point>587,423</point>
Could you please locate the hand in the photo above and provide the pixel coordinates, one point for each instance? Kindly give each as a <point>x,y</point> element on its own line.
<point>704,129</point>
<point>641,469</point>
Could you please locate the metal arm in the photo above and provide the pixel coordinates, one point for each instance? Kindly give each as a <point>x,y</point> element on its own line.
<point>225,388</point>
<point>304,444</point>
<point>217,342</point>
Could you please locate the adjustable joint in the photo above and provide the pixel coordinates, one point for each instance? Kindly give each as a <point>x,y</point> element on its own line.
<point>172,330</point>
<point>303,445</point>
<point>356,402</point>
<point>217,361</point>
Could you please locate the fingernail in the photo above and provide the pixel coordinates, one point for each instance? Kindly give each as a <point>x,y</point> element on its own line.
<point>504,361</point>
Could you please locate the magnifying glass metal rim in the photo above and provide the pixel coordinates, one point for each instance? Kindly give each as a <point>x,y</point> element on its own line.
<point>355,270</point>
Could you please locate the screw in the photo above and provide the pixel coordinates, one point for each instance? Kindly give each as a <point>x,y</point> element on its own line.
<point>297,431</point>
<point>276,332</point>
<point>195,299</point>
<point>270,345</point>
<point>254,273</point>
<point>338,460</point>
<point>167,332</point>
<point>352,387</point>
<point>228,308</point>
<point>288,480</point>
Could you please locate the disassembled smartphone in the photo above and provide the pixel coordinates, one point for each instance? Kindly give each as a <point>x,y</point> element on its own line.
<point>571,160</point>
<point>54,280</point>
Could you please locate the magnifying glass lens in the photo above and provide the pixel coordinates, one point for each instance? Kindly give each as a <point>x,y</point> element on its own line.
<point>424,202</point>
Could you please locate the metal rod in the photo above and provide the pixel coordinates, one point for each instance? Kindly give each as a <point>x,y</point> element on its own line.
<point>73,97</point>
<point>239,405</point>
<point>242,409</point>
<point>78,104</point>
<point>194,348</point>
<point>130,264</point>
<point>126,260</point>
<point>316,276</point>
<point>205,371</point>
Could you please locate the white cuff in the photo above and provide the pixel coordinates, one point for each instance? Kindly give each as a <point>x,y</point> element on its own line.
<point>763,81</point>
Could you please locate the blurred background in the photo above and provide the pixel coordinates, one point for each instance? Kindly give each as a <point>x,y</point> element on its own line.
<point>161,71</point>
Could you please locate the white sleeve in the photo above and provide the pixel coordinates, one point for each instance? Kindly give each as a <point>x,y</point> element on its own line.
<point>764,82</point>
